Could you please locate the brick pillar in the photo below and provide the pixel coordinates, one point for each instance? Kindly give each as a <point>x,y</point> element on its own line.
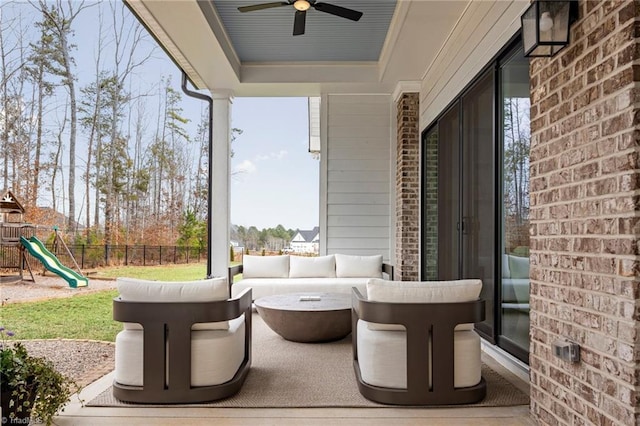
<point>585,189</point>
<point>408,189</point>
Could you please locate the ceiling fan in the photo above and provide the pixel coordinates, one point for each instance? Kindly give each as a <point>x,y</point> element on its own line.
<point>301,7</point>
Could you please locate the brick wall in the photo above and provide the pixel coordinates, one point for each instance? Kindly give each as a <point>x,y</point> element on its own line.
<point>407,189</point>
<point>430,206</point>
<point>585,191</point>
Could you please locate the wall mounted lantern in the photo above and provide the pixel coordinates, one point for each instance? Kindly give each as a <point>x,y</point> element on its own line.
<point>545,26</point>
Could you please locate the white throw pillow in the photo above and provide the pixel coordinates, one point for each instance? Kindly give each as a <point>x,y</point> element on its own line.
<point>348,266</point>
<point>422,292</point>
<point>312,267</point>
<point>265,266</point>
<point>208,290</point>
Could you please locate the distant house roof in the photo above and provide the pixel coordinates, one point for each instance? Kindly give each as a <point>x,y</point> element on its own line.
<point>310,235</point>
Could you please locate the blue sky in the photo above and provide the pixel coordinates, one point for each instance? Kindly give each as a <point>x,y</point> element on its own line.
<point>275,179</point>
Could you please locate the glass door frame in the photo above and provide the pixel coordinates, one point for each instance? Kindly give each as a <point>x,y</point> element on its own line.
<point>502,340</point>
<point>491,334</point>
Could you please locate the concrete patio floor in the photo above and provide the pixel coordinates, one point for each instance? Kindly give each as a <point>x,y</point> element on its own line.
<point>77,415</point>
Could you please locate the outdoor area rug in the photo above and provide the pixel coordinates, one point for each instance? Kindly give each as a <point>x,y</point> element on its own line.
<point>287,374</point>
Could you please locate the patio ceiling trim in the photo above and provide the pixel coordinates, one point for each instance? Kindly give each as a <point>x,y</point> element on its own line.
<point>397,21</point>
<point>220,68</point>
<point>427,41</point>
<point>221,34</point>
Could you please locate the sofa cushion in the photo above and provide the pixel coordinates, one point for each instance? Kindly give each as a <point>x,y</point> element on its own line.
<point>379,290</point>
<point>312,267</point>
<point>358,266</point>
<point>209,290</point>
<point>265,266</point>
<point>519,266</point>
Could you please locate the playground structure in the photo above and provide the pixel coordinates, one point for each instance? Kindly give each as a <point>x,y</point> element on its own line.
<point>18,239</point>
<point>35,247</point>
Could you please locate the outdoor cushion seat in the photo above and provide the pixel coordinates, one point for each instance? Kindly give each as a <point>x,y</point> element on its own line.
<point>414,344</point>
<point>182,341</point>
<point>228,345</point>
<point>383,354</point>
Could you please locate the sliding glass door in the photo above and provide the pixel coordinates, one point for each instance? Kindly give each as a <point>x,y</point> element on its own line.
<point>478,190</point>
<point>448,190</point>
<point>458,174</point>
<point>516,134</point>
<point>475,196</point>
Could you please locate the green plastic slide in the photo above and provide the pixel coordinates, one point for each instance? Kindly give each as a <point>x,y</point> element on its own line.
<point>48,259</point>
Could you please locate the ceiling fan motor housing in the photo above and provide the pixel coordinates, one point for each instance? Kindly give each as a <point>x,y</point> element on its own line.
<point>301,7</point>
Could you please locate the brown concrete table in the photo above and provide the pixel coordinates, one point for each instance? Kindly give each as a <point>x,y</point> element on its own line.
<point>323,320</point>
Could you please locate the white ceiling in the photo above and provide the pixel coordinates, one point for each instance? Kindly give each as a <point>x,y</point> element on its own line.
<point>255,53</point>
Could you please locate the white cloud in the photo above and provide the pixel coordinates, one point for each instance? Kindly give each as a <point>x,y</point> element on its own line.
<point>272,156</point>
<point>245,167</point>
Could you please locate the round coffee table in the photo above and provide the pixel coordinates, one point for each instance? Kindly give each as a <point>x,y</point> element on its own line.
<point>307,317</point>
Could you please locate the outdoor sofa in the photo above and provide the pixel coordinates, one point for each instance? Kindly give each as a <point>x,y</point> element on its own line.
<point>334,273</point>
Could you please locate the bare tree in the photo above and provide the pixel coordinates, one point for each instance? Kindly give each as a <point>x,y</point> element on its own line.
<point>127,42</point>
<point>39,64</point>
<point>58,18</point>
<point>92,119</point>
<point>11,62</point>
<point>55,160</point>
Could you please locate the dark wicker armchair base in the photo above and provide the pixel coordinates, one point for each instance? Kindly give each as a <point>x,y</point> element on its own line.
<point>156,319</point>
<point>435,321</point>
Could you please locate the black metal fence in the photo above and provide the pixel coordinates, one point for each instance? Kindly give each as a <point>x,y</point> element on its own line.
<point>93,256</point>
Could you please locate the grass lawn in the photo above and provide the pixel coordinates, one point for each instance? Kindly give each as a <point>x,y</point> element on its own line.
<point>182,272</point>
<point>86,316</point>
<point>79,317</point>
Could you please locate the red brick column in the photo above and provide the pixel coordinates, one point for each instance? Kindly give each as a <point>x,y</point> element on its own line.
<point>407,261</point>
<point>585,191</point>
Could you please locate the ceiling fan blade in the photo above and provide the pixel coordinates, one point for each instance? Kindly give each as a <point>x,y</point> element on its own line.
<point>299,22</point>
<point>340,11</point>
<point>263,6</point>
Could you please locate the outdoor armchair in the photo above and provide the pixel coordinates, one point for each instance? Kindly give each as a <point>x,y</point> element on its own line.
<point>182,342</point>
<point>414,344</point>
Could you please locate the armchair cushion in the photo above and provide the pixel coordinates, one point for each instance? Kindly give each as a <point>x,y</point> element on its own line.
<point>265,266</point>
<point>208,290</point>
<point>383,358</point>
<point>348,266</point>
<point>227,345</point>
<point>379,290</point>
<point>312,267</point>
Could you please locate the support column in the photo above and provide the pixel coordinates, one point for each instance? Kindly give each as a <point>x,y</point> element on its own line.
<point>219,184</point>
<point>407,188</point>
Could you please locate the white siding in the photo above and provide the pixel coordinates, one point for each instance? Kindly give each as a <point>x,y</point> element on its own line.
<point>482,31</point>
<point>357,174</point>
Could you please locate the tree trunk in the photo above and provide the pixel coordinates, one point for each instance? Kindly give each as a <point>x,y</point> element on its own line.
<point>72,133</point>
